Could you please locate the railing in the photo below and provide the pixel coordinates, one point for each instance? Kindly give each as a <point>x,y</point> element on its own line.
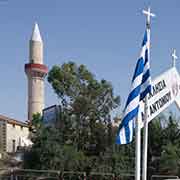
<point>164,177</point>
<point>29,174</point>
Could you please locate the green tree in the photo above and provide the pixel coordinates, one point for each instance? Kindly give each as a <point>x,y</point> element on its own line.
<point>171,130</point>
<point>85,102</point>
<point>164,146</point>
<point>170,159</point>
<point>155,144</point>
<point>170,154</point>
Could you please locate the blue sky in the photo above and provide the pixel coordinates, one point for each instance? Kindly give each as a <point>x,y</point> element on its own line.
<point>105,35</point>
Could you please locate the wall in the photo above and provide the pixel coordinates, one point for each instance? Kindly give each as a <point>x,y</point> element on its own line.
<point>15,132</point>
<point>2,136</point>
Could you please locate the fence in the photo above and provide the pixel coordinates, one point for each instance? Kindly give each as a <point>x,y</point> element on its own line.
<point>163,177</point>
<point>28,174</point>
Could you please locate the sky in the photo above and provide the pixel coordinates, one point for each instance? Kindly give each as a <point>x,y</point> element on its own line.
<point>105,35</point>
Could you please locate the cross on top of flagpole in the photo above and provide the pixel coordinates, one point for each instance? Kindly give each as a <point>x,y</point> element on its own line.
<point>149,15</point>
<point>174,57</point>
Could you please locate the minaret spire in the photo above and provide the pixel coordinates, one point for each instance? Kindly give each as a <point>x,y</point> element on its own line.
<point>36,36</point>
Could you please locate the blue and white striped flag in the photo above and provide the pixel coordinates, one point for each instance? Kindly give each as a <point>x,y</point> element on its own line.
<point>141,86</point>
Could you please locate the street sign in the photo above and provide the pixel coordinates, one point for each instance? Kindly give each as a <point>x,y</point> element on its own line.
<point>165,90</point>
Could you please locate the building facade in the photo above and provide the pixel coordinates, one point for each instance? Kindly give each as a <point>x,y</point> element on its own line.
<point>13,134</point>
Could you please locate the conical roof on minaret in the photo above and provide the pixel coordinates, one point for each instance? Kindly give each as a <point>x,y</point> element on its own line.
<point>36,36</point>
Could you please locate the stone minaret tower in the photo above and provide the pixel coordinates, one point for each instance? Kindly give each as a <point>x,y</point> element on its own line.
<point>36,72</point>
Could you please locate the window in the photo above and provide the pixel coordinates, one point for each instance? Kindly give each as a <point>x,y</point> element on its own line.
<point>13,145</point>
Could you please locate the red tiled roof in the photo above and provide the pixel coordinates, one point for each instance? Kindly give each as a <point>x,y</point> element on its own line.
<point>13,121</point>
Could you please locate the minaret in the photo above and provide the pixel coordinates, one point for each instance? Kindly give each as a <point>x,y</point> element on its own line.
<point>36,72</point>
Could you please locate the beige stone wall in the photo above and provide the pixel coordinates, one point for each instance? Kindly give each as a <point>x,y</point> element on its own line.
<point>15,132</point>
<point>36,96</point>
<point>36,52</point>
<point>2,136</point>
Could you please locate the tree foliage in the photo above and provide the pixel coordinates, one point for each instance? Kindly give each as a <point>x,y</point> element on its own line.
<point>86,104</point>
<point>164,146</point>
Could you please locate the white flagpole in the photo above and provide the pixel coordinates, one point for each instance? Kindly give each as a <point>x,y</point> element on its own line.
<point>145,142</point>
<point>145,137</point>
<point>138,150</point>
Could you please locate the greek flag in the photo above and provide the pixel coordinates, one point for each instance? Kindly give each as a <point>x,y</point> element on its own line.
<point>141,86</point>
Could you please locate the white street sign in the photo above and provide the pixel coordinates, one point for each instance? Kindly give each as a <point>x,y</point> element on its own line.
<point>165,90</point>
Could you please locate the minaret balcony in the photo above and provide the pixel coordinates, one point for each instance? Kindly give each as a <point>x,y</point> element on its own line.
<point>36,70</point>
